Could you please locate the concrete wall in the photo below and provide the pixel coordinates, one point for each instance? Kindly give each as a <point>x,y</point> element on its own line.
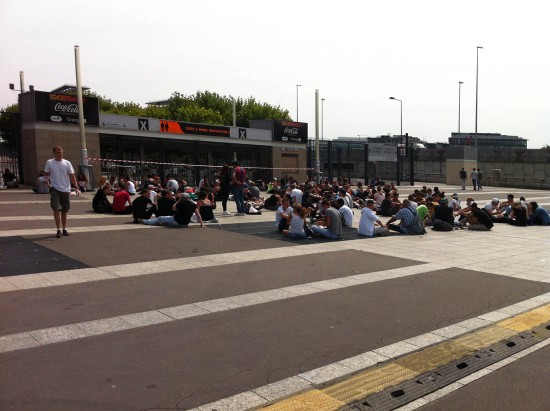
<point>38,140</point>
<point>277,159</point>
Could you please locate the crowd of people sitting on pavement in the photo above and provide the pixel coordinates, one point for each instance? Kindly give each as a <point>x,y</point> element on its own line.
<point>309,209</point>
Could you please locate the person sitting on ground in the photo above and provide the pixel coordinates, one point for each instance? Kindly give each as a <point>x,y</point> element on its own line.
<point>506,206</point>
<point>272,203</point>
<point>184,209</point>
<point>204,206</point>
<point>443,212</point>
<point>142,207</point>
<point>479,219</point>
<point>463,212</point>
<point>100,202</point>
<point>42,184</point>
<point>253,192</point>
<point>494,211</point>
<point>282,214</point>
<point>295,194</point>
<point>454,203</point>
<point>172,183</point>
<point>297,221</point>
<point>413,203</point>
<point>409,221</point>
<point>331,225</point>
<point>367,221</point>
<point>538,214</point>
<point>122,202</point>
<point>423,213</point>
<point>130,186</point>
<point>345,212</point>
<point>386,206</point>
<point>518,215</point>
<point>273,186</point>
<point>165,202</point>
<point>379,197</point>
<point>10,179</point>
<point>82,182</point>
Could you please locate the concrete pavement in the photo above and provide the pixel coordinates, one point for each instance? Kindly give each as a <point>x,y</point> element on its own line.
<point>123,316</point>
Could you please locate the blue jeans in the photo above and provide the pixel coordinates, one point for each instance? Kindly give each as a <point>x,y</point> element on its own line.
<point>238,196</point>
<point>296,236</point>
<point>167,220</point>
<point>324,232</point>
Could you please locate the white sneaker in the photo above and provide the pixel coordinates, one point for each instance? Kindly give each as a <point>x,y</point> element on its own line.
<point>226,213</point>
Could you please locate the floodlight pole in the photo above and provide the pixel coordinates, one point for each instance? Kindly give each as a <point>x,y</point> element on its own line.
<point>83,149</point>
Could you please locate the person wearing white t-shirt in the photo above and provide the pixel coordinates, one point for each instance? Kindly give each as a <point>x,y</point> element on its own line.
<point>345,212</point>
<point>367,221</point>
<point>296,195</point>
<point>379,196</point>
<point>61,174</point>
<point>282,214</point>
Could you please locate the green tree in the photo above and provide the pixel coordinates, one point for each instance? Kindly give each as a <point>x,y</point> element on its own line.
<point>8,124</point>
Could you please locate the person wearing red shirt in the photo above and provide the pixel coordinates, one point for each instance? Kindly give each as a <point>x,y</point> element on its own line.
<point>120,199</point>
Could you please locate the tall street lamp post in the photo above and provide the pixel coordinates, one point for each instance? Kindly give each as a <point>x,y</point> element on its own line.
<point>477,72</point>
<point>400,141</point>
<point>322,119</point>
<point>297,85</point>
<point>460,83</point>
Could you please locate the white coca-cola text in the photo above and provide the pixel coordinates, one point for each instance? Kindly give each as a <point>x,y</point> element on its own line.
<point>66,108</point>
<point>292,131</point>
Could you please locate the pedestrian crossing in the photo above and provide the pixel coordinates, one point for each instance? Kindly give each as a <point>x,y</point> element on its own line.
<point>433,258</point>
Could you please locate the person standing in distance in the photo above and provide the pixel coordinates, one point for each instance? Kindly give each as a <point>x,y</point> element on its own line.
<point>463,175</point>
<point>61,174</point>
<point>238,178</point>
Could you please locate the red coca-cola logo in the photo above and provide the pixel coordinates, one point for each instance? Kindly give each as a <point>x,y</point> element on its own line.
<point>66,108</point>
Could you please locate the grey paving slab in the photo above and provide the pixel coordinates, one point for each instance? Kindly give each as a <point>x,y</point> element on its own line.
<point>327,373</point>
<point>283,388</point>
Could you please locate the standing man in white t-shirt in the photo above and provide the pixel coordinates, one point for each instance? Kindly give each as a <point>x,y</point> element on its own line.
<point>61,174</point>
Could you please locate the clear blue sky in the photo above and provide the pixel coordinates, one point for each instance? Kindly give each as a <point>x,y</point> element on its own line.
<point>357,53</point>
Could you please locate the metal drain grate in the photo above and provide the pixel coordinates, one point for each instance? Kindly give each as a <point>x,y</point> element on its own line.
<point>542,331</point>
<point>426,383</point>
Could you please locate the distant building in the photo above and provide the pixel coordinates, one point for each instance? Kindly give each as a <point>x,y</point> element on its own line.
<point>417,143</point>
<point>488,140</point>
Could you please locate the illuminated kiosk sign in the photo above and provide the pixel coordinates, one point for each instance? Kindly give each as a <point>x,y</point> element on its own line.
<point>180,127</point>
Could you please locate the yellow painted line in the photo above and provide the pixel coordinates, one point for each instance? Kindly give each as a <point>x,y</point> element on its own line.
<point>528,320</point>
<point>433,357</point>
<point>368,382</point>
<point>373,380</point>
<point>485,337</point>
<point>313,400</point>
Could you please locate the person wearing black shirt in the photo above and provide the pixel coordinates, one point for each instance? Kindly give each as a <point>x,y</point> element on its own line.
<point>165,204</point>
<point>479,219</point>
<point>443,212</point>
<point>143,207</point>
<point>183,210</point>
<point>386,206</point>
<point>100,202</point>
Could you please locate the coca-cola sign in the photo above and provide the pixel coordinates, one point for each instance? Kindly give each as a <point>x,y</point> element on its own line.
<point>63,108</point>
<point>290,131</point>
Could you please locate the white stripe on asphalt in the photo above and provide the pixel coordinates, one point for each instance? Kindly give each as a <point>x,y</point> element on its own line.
<point>107,325</point>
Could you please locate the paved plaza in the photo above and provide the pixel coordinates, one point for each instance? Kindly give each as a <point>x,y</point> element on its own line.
<point>121,316</point>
